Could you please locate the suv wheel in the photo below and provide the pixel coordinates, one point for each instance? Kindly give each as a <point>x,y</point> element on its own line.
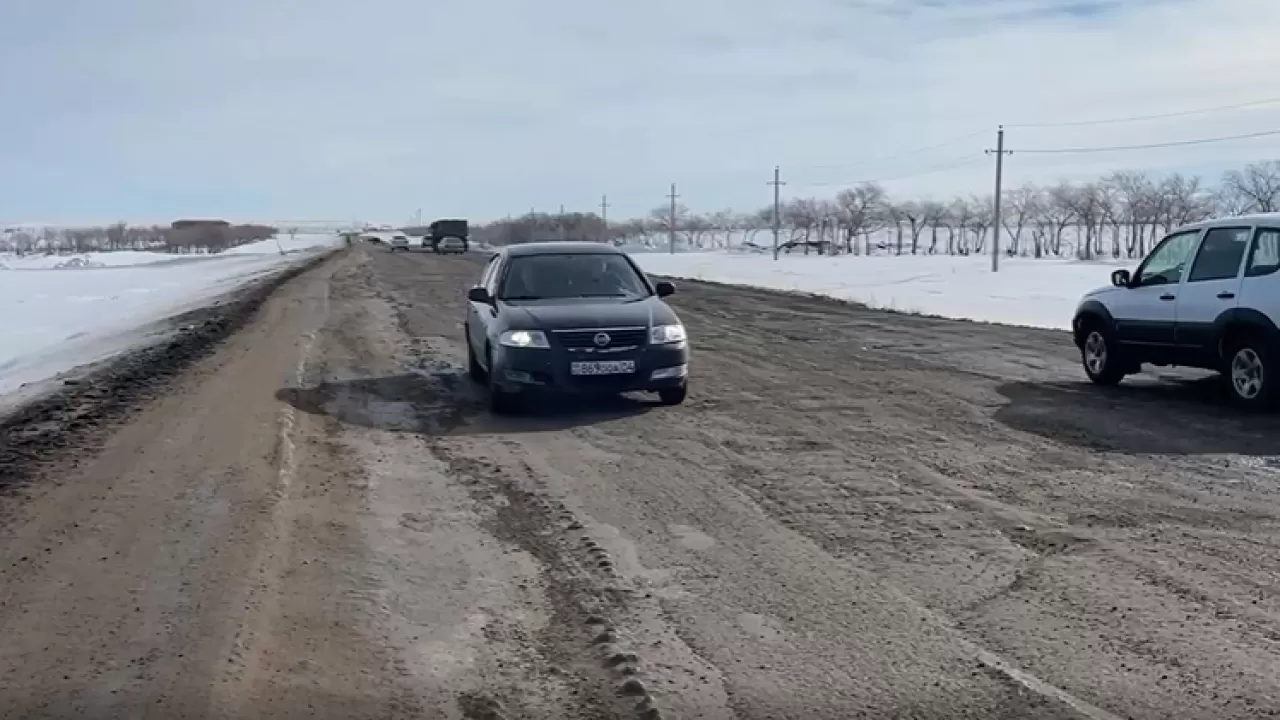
<point>1099,357</point>
<point>1249,371</point>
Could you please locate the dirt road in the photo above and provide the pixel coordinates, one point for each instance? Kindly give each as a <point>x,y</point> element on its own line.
<point>855,515</point>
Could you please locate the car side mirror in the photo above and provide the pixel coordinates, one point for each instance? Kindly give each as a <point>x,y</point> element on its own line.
<point>1121,278</point>
<point>664,288</point>
<point>479,294</point>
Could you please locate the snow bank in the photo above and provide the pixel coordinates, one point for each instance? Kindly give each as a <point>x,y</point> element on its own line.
<point>1036,293</point>
<point>129,258</point>
<point>58,319</point>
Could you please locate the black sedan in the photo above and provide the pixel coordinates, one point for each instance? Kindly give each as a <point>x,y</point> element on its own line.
<point>572,317</point>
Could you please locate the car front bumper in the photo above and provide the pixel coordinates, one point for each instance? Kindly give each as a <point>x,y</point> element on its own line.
<point>527,370</point>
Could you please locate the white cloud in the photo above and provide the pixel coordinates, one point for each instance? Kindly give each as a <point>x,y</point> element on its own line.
<point>483,107</point>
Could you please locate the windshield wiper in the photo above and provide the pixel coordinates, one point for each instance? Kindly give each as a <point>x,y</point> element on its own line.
<point>521,297</point>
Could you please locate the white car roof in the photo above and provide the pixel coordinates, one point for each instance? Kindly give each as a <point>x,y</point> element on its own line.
<point>1272,218</point>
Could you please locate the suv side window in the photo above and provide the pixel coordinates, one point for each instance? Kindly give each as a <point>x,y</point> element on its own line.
<point>1220,254</point>
<point>1165,264</point>
<point>1264,256</point>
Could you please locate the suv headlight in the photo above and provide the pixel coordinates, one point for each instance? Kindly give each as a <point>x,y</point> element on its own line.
<point>666,334</point>
<point>524,339</point>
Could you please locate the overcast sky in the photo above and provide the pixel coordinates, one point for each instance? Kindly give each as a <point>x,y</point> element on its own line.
<point>333,109</point>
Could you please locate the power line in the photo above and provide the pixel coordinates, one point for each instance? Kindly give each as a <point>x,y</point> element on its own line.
<point>894,156</point>
<point>1140,118</point>
<point>950,165</point>
<point>1177,143</point>
<point>1069,123</point>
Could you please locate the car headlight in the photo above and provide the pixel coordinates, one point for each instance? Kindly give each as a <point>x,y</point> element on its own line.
<point>665,334</point>
<point>524,339</point>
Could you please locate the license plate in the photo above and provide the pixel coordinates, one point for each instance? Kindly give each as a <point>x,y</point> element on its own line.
<point>609,367</point>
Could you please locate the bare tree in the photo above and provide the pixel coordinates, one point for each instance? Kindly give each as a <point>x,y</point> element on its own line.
<point>915,213</point>
<point>1086,202</point>
<point>981,217</point>
<point>932,214</point>
<point>1060,213</point>
<point>1023,204</point>
<point>1258,184</point>
<point>961,211</point>
<point>895,214</point>
<point>1121,214</point>
<point>1133,192</point>
<point>858,209</point>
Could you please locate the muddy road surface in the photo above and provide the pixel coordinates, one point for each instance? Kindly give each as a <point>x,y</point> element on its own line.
<point>856,514</point>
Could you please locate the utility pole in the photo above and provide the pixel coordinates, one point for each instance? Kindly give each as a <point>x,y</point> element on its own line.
<point>672,229</point>
<point>604,217</point>
<point>777,207</point>
<point>1000,152</point>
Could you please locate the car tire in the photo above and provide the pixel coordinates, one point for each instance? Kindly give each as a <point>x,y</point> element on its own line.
<point>1098,355</point>
<point>500,401</point>
<point>474,370</point>
<point>1250,369</point>
<point>673,396</point>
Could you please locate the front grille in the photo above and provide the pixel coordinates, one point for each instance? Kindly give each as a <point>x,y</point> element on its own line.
<point>586,339</point>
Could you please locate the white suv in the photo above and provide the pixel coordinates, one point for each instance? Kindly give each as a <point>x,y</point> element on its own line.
<point>1207,296</point>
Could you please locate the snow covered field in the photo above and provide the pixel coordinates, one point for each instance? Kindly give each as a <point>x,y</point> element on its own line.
<point>1036,293</point>
<point>64,311</point>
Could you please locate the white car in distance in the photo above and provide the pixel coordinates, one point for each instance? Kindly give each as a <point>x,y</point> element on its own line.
<point>451,245</point>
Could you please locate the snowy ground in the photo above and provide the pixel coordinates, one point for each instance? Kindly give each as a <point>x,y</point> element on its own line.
<point>129,258</point>
<point>1036,293</point>
<point>61,312</point>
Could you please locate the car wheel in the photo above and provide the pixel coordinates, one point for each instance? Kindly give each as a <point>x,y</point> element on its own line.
<point>1098,354</point>
<point>673,396</point>
<point>474,369</point>
<point>500,401</point>
<point>1249,370</point>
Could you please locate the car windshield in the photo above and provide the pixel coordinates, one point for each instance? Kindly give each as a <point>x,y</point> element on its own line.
<point>572,275</point>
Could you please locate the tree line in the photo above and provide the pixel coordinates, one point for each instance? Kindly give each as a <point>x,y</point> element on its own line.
<point>1120,215</point>
<point>178,238</point>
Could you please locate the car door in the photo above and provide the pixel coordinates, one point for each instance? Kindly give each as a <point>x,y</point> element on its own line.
<point>1260,286</point>
<point>480,314</point>
<point>1210,288</point>
<point>1145,313</point>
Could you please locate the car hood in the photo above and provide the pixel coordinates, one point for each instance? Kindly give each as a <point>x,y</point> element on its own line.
<point>565,314</point>
<point>1100,292</point>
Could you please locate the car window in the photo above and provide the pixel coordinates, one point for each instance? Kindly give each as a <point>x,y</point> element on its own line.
<point>1264,256</point>
<point>1165,264</point>
<point>536,277</point>
<point>491,284</point>
<point>487,275</point>
<point>1220,254</point>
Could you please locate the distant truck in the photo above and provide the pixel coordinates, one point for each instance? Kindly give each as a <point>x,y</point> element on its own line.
<point>441,229</point>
